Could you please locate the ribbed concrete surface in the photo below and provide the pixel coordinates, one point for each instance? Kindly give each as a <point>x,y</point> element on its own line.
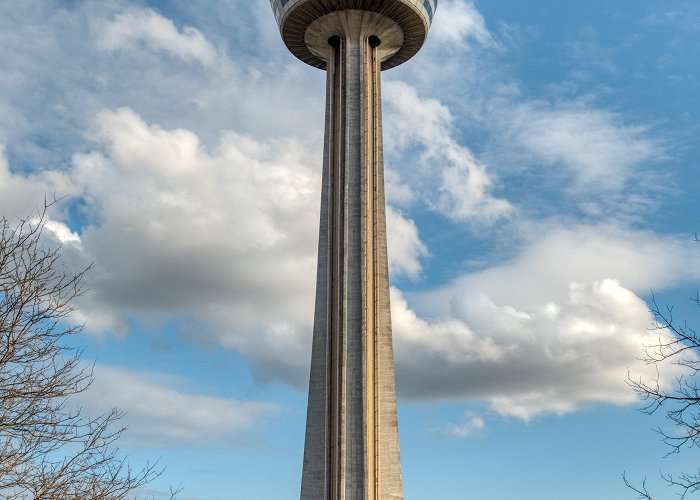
<point>352,447</point>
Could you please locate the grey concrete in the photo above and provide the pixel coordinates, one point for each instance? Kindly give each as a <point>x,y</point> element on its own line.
<point>351,450</point>
<point>352,447</point>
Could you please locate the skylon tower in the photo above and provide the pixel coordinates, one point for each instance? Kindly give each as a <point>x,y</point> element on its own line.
<point>351,450</point>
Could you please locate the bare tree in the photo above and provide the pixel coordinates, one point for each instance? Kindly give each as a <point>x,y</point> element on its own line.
<point>640,490</point>
<point>48,448</point>
<point>679,344</point>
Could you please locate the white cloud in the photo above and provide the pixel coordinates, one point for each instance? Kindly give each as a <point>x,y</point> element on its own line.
<point>451,340</point>
<point>22,195</point>
<point>160,413</point>
<point>582,157</point>
<point>397,192</point>
<point>132,27</point>
<point>458,22</point>
<point>225,238</point>
<point>552,330</point>
<point>593,144</point>
<point>405,247</point>
<point>551,359</point>
<point>224,241</point>
<point>62,233</point>
<point>446,172</point>
<point>471,423</point>
<point>554,256</point>
<point>219,233</point>
<point>150,63</point>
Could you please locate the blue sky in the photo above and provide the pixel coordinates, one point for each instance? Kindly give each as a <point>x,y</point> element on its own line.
<point>541,179</point>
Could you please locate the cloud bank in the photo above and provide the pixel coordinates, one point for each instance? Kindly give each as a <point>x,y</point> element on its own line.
<point>197,199</point>
<point>563,338</point>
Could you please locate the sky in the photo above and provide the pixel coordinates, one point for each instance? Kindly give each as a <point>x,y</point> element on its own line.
<point>541,182</point>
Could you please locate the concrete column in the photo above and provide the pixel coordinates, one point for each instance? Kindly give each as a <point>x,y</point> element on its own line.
<point>352,448</point>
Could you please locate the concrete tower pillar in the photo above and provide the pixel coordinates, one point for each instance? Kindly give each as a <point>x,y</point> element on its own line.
<point>351,450</point>
<point>352,445</point>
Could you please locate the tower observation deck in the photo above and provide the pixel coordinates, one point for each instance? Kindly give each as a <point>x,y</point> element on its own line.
<point>351,451</point>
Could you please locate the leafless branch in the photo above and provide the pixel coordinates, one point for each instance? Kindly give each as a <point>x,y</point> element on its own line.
<point>48,448</point>
<point>641,490</point>
<point>679,344</point>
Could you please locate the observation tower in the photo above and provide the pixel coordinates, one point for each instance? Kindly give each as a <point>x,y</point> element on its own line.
<point>351,450</point>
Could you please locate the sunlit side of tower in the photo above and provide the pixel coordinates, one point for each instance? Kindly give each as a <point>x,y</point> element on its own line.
<point>352,444</point>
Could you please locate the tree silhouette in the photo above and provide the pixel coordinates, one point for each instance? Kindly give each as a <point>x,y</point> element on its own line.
<point>48,448</point>
<point>679,344</point>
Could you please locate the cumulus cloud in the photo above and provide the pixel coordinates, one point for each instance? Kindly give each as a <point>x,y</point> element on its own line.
<point>554,256</point>
<point>62,232</point>
<point>224,240</point>
<point>423,126</point>
<point>160,413</point>
<point>563,338</point>
<point>405,247</point>
<point>218,232</point>
<point>133,27</point>
<point>450,339</point>
<point>226,237</point>
<point>551,359</point>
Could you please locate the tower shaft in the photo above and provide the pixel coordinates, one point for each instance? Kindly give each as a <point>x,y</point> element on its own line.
<point>352,448</point>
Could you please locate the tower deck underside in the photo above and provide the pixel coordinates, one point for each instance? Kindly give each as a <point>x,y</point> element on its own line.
<point>412,16</point>
<point>352,448</point>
